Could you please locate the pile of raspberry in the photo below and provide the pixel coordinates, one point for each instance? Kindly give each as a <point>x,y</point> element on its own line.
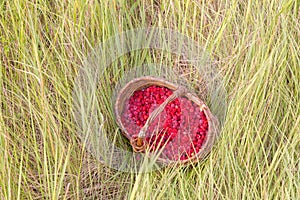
<point>178,132</point>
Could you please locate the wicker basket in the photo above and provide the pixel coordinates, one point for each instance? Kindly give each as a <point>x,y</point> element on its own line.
<point>136,84</point>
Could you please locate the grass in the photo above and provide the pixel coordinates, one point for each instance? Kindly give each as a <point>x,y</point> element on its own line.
<point>255,45</point>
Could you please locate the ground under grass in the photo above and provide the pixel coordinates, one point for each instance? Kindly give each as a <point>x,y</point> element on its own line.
<point>254,44</point>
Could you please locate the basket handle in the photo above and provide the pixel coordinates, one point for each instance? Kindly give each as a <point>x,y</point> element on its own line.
<point>138,142</point>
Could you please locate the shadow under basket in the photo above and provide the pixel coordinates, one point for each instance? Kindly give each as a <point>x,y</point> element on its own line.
<point>159,116</point>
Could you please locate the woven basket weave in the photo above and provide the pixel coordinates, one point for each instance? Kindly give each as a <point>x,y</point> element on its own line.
<point>137,84</point>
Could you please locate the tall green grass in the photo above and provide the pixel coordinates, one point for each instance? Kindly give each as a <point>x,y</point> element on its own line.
<point>255,45</point>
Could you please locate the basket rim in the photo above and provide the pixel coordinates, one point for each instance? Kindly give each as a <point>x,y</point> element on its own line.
<point>212,132</point>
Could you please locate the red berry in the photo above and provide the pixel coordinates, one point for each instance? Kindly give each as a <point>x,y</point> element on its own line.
<point>180,129</point>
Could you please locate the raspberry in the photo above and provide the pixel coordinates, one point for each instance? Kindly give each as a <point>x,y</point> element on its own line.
<point>179,131</point>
